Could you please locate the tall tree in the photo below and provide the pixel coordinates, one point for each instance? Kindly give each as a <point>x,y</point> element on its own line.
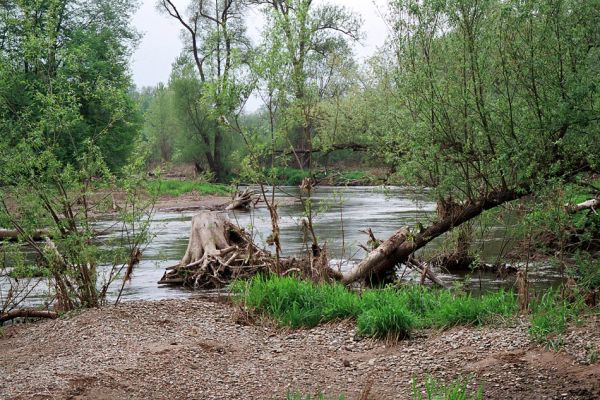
<point>307,35</point>
<point>73,54</point>
<point>494,100</point>
<point>65,113</point>
<point>218,45</point>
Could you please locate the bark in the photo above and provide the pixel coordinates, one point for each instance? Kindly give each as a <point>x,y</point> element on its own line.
<point>207,236</point>
<point>13,234</point>
<point>27,314</point>
<point>403,243</point>
<point>242,200</point>
<point>217,253</point>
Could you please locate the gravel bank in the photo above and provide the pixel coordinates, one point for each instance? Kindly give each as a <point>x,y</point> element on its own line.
<point>197,349</point>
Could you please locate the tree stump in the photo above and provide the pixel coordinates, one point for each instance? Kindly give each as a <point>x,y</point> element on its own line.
<point>217,253</point>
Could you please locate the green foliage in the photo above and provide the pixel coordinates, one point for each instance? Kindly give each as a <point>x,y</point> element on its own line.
<point>171,187</point>
<point>387,313</point>
<point>586,271</point>
<point>289,176</point>
<point>456,390</point>
<point>29,271</point>
<point>551,314</point>
<point>68,129</point>
<point>64,78</point>
<point>474,97</point>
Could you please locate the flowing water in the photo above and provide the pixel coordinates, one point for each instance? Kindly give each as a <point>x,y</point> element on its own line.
<point>340,216</point>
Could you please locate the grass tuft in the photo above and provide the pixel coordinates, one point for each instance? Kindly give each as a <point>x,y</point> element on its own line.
<point>456,390</point>
<point>386,313</point>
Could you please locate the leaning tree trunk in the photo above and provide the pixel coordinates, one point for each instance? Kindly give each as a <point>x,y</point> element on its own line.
<point>217,253</point>
<point>403,243</point>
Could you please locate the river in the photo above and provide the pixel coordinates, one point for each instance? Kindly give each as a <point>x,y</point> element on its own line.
<point>341,213</point>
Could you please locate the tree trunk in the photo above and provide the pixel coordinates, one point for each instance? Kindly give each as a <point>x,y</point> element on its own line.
<point>27,314</point>
<point>219,169</point>
<point>217,253</point>
<point>402,244</point>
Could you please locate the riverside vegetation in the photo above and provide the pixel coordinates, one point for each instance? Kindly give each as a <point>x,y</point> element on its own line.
<point>489,108</point>
<point>393,313</point>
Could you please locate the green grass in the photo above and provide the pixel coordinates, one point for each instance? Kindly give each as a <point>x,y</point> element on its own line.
<point>551,315</point>
<point>385,313</point>
<point>173,187</point>
<point>456,390</point>
<point>289,176</point>
<point>353,176</point>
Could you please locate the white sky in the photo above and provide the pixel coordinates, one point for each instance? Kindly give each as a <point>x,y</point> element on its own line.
<point>161,42</point>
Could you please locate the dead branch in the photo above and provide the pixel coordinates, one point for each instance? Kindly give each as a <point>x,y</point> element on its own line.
<point>25,313</point>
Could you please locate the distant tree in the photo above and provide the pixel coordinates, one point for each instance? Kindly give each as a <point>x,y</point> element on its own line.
<point>160,124</point>
<point>216,34</point>
<point>308,38</point>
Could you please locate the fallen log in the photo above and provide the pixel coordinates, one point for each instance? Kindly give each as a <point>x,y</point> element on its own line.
<point>25,313</point>
<point>591,204</point>
<point>403,243</point>
<point>13,234</point>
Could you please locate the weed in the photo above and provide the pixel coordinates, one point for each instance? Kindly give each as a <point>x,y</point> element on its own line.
<point>551,315</point>
<point>25,271</point>
<point>456,390</point>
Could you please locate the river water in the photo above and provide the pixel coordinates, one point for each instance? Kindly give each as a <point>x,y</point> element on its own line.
<point>340,215</point>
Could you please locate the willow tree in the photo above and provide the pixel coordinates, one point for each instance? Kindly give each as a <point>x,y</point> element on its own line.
<point>307,37</point>
<point>216,37</point>
<point>494,100</point>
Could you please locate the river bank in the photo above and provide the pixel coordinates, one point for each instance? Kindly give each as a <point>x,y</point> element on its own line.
<point>199,349</point>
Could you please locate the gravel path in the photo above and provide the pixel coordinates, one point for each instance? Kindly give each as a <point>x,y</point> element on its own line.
<point>197,349</point>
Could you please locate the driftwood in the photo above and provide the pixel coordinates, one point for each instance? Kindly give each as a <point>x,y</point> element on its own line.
<point>242,200</point>
<point>426,272</point>
<point>217,253</point>
<point>403,243</point>
<point>27,314</point>
<point>13,234</point>
<point>591,204</point>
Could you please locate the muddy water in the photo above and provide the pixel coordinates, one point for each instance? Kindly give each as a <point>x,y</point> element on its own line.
<point>340,216</point>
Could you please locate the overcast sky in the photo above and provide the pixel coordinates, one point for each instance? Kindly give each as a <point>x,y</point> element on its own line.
<point>161,43</point>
